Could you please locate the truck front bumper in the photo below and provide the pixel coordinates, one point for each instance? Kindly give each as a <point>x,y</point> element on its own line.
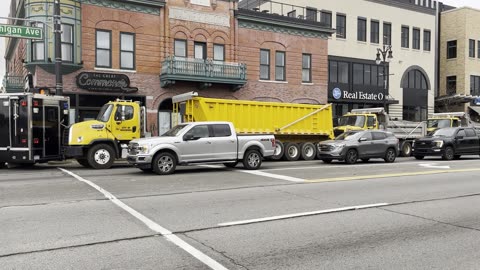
<point>140,161</point>
<point>73,151</point>
<point>427,151</point>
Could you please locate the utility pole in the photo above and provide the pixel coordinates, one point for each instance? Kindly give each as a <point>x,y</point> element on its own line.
<point>58,48</point>
<point>385,56</point>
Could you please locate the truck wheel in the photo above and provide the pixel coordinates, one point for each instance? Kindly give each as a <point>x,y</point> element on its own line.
<point>448,154</point>
<point>252,160</point>
<point>83,162</point>
<point>164,163</point>
<point>292,152</point>
<point>100,156</point>
<point>279,150</point>
<point>231,165</point>
<point>351,156</point>
<point>308,151</point>
<point>390,155</point>
<point>406,149</point>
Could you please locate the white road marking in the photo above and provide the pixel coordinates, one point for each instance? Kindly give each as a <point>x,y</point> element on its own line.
<point>152,225</point>
<point>433,166</point>
<point>342,209</point>
<point>276,176</point>
<point>327,166</point>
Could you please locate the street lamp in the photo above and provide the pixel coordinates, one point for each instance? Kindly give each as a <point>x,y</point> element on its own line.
<point>384,56</point>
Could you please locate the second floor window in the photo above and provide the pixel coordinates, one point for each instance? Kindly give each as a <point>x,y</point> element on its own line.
<point>104,49</point>
<point>127,51</point>
<point>280,66</point>
<point>362,29</point>
<point>264,64</point>
<point>38,46</point>
<point>405,36</point>
<point>387,34</point>
<point>341,26</point>
<point>471,48</point>
<point>451,85</point>
<point>451,49</point>
<point>374,31</point>
<point>218,52</point>
<point>306,68</point>
<point>427,43</point>
<point>67,42</point>
<point>416,39</point>
<point>180,48</point>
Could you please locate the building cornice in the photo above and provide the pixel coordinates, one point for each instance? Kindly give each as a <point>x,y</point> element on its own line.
<point>143,6</point>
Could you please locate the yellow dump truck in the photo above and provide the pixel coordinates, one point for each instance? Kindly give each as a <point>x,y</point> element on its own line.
<point>97,143</point>
<point>297,127</point>
<point>450,119</point>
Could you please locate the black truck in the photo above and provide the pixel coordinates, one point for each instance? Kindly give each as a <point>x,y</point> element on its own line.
<point>31,127</point>
<point>449,143</point>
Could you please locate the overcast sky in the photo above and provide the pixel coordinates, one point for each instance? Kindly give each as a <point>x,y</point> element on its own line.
<point>5,7</point>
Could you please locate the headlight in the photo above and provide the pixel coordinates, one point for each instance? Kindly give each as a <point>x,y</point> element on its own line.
<point>143,149</point>
<point>338,146</point>
<point>413,144</point>
<point>79,139</point>
<point>438,144</point>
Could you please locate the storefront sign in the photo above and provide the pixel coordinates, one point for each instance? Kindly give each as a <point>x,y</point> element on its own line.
<point>337,94</point>
<point>105,82</point>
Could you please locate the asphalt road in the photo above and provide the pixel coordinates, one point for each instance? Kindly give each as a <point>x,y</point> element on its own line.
<point>289,215</point>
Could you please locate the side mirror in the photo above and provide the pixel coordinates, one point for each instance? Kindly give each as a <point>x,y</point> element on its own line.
<point>363,139</point>
<point>188,137</point>
<point>459,138</point>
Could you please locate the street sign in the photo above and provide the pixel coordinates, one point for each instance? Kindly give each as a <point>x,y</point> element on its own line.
<point>27,32</point>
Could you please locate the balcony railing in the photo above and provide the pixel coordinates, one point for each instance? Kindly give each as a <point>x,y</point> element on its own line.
<point>13,83</point>
<point>204,71</point>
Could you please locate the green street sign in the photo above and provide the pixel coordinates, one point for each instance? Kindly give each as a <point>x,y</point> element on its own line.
<point>21,31</point>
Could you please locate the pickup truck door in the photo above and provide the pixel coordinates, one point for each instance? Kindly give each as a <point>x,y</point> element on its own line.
<point>198,147</point>
<point>224,142</point>
<point>473,141</point>
<point>461,142</point>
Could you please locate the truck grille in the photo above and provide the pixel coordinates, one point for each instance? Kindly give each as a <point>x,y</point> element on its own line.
<point>133,149</point>
<point>419,145</point>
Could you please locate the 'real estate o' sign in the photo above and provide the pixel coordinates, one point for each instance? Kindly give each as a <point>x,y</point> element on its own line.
<point>105,82</point>
<point>27,32</point>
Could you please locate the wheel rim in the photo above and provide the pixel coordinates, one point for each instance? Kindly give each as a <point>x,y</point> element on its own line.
<point>309,151</point>
<point>278,150</point>
<point>253,160</point>
<point>102,156</point>
<point>292,151</point>
<point>165,164</point>
<point>390,155</point>
<point>449,153</point>
<point>406,149</point>
<point>352,156</point>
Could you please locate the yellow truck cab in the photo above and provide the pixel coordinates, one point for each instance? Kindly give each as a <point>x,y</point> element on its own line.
<point>356,121</point>
<point>443,120</point>
<point>97,143</point>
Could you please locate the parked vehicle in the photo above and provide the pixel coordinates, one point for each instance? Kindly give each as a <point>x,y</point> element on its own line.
<point>449,143</point>
<point>451,119</point>
<point>297,127</point>
<point>356,144</point>
<point>378,119</point>
<point>97,143</point>
<point>200,142</point>
<point>31,127</point>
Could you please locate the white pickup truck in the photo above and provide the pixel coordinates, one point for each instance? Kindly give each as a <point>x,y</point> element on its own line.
<point>199,142</point>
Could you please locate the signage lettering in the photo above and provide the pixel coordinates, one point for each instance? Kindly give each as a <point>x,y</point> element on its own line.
<point>363,96</point>
<point>105,82</point>
<point>21,31</point>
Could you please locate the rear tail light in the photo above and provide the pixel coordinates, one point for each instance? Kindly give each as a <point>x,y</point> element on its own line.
<point>24,141</point>
<point>273,142</point>
<point>36,140</point>
<point>23,103</point>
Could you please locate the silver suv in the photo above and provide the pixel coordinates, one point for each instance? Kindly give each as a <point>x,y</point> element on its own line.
<point>354,145</point>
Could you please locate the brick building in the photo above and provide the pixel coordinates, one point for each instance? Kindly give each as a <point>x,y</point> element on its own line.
<point>152,50</point>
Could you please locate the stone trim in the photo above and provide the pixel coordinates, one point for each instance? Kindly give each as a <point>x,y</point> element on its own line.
<point>283,30</point>
<point>135,6</point>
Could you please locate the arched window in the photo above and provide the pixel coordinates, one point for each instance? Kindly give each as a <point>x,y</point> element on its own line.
<point>415,86</point>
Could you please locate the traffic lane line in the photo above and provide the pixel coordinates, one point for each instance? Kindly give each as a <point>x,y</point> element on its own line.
<point>304,214</point>
<point>276,176</point>
<point>152,225</point>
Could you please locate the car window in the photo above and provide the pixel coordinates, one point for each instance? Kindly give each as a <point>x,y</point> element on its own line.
<point>461,133</point>
<point>367,135</point>
<point>128,113</point>
<point>199,132</point>
<point>470,132</point>
<point>370,121</point>
<point>221,130</point>
<point>379,136</point>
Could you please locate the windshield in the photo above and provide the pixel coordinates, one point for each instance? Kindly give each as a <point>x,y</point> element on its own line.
<point>348,136</point>
<point>353,120</point>
<point>438,123</point>
<point>444,132</point>
<point>105,113</point>
<point>174,131</point>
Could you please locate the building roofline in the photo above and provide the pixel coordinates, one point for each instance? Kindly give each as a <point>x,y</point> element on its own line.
<point>407,6</point>
<point>461,8</point>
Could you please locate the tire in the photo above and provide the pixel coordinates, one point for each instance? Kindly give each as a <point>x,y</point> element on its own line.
<point>292,152</point>
<point>448,154</point>
<point>101,156</point>
<point>328,161</point>
<point>419,157</point>
<point>164,163</point>
<point>351,157</point>
<point>457,156</point>
<point>252,160</point>
<point>279,150</point>
<point>83,162</point>
<point>390,155</point>
<point>308,151</point>
<point>406,149</point>
<point>231,165</point>
<point>365,160</point>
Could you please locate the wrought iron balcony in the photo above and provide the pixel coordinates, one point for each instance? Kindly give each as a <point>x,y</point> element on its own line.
<point>206,72</point>
<point>13,84</point>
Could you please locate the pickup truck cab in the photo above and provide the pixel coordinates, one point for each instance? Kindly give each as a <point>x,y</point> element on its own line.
<point>199,142</point>
<point>449,143</point>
